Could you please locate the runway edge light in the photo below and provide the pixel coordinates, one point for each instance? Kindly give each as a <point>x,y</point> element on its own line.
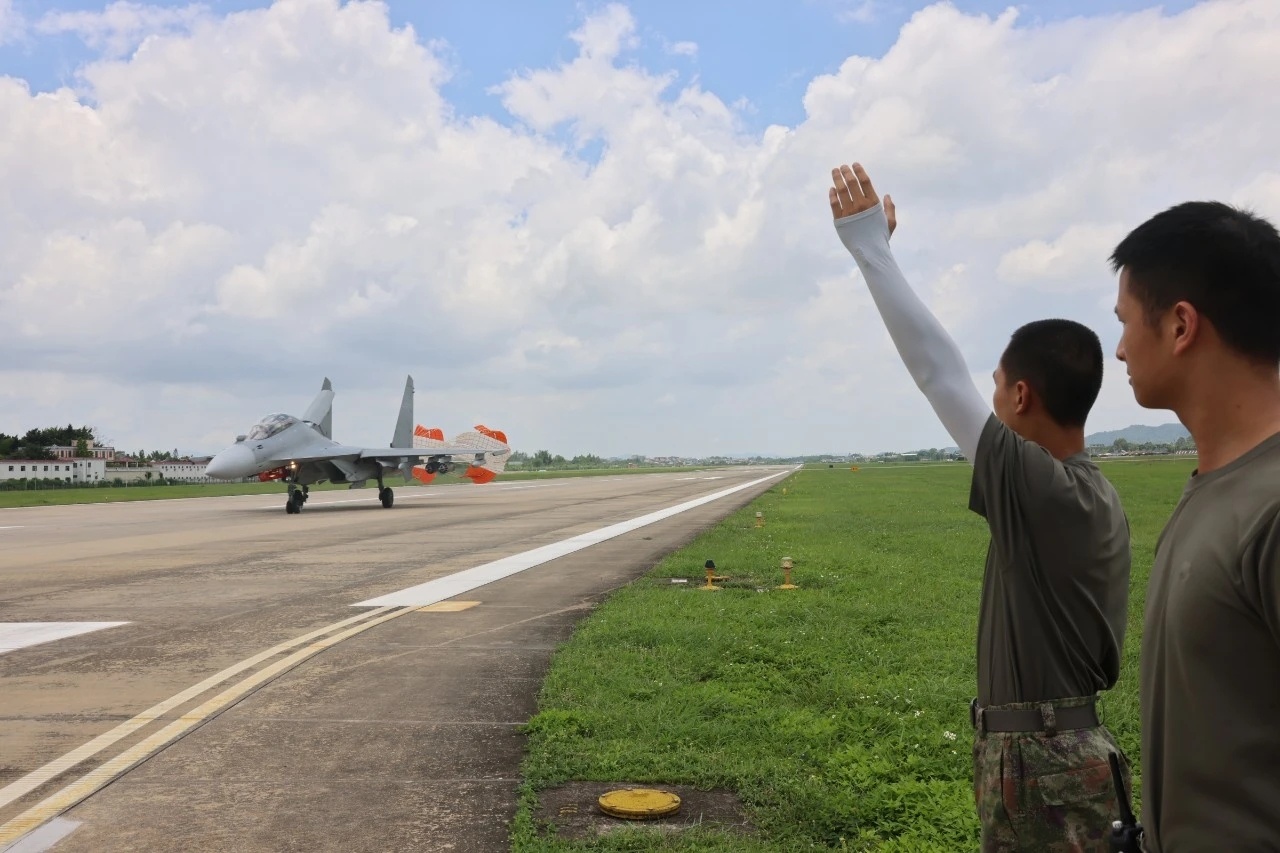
<point>710,566</point>
<point>786,573</point>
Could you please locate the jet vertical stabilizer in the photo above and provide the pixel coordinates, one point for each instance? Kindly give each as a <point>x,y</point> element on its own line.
<point>404,427</point>
<point>320,412</point>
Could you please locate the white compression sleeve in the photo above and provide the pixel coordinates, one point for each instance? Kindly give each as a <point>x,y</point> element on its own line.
<point>931,356</point>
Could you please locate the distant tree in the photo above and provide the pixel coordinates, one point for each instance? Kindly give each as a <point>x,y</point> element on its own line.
<point>541,459</point>
<point>1120,444</point>
<point>82,448</point>
<point>147,475</point>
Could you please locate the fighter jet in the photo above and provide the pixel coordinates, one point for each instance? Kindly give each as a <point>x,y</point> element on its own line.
<point>302,452</point>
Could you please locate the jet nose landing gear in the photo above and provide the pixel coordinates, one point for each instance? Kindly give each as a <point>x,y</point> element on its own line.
<point>297,497</point>
<point>387,497</point>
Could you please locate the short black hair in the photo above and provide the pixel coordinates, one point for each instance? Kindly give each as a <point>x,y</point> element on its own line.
<point>1222,259</point>
<point>1062,362</point>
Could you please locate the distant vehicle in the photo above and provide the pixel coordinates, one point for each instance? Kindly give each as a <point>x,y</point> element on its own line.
<point>301,452</point>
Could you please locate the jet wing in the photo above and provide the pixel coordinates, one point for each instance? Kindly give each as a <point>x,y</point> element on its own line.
<point>320,455</point>
<point>398,453</point>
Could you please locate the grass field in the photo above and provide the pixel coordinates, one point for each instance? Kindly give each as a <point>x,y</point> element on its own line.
<point>111,494</point>
<point>838,712</point>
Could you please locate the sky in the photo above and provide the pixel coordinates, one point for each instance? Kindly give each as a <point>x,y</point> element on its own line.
<point>600,227</point>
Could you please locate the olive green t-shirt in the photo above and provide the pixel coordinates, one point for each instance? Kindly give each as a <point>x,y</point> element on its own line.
<point>1210,685</point>
<point>1056,589</point>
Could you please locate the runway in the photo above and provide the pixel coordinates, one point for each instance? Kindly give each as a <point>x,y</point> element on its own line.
<point>214,674</point>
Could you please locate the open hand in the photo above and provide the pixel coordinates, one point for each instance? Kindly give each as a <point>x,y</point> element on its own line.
<point>853,193</point>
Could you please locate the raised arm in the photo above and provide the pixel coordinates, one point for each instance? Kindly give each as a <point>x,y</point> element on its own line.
<point>931,356</point>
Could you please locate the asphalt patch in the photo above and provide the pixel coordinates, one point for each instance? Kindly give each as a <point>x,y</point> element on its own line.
<point>572,811</point>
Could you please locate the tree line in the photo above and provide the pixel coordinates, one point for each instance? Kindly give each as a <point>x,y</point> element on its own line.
<point>35,443</point>
<point>545,459</point>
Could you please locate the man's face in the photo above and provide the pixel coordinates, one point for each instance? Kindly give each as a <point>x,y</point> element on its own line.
<point>1143,350</point>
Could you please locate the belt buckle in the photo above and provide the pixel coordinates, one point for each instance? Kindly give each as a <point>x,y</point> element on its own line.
<point>1049,718</point>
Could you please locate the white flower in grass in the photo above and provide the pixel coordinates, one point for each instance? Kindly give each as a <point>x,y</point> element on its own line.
<point>949,735</point>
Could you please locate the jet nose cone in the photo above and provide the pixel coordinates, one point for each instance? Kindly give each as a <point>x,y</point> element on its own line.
<point>231,464</point>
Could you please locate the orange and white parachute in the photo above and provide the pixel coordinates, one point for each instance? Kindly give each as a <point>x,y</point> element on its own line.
<point>491,443</point>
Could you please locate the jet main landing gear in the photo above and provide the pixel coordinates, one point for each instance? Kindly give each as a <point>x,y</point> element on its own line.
<point>385,494</point>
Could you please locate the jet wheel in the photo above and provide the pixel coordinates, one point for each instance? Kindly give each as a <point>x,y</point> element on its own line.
<point>291,508</point>
<point>388,497</point>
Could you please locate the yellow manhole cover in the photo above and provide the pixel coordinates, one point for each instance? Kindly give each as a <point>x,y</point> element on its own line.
<point>639,803</point>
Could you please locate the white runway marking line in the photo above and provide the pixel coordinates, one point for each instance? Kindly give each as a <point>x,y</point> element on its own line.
<point>12,527</point>
<point>468,579</point>
<point>20,635</point>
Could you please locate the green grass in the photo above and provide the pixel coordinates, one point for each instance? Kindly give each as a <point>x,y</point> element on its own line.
<point>113,494</point>
<point>839,711</point>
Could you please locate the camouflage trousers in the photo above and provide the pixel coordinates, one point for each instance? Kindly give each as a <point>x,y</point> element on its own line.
<point>1050,793</point>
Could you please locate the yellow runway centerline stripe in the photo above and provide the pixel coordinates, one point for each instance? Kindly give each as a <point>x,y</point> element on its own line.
<point>448,606</point>
<point>99,777</point>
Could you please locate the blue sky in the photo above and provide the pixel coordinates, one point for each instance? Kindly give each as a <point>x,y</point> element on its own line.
<point>766,55</point>
<point>221,196</point>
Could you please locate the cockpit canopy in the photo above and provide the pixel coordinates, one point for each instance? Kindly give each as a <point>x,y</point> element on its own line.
<point>269,426</point>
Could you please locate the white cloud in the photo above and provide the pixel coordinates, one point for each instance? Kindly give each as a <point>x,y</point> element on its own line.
<point>12,25</point>
<point>863,12</point>
<point>683,48</point>
<point>122,25</point>
<point>1075,261</point>
<point>246,203</point>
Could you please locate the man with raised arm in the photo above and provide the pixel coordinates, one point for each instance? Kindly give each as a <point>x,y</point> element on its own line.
<point>1055,592</point>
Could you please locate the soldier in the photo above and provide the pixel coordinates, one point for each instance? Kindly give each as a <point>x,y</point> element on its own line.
<point>1055,591</point>
<point>1199,302</point>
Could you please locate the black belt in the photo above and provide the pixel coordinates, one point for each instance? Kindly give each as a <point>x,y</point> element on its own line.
<point>1049,718</point>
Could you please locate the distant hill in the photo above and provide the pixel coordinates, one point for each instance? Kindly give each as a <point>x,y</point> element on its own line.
<point>1138,434</point>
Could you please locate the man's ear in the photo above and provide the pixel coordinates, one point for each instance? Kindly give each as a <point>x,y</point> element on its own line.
<point>1022,395</point>
<point>1184,322</point>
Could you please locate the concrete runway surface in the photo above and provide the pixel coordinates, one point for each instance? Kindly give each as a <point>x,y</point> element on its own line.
<point>214,674</point>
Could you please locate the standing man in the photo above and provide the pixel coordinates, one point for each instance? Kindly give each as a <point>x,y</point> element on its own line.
<point>1199,302</point>
<point>1055,591</point>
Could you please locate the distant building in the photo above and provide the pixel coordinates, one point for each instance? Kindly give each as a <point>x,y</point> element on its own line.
<point>96,451</point>
<point>69,470</point>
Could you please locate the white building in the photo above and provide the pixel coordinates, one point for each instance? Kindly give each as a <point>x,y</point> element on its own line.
<point>133,473</point>
<point>69,470</point>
